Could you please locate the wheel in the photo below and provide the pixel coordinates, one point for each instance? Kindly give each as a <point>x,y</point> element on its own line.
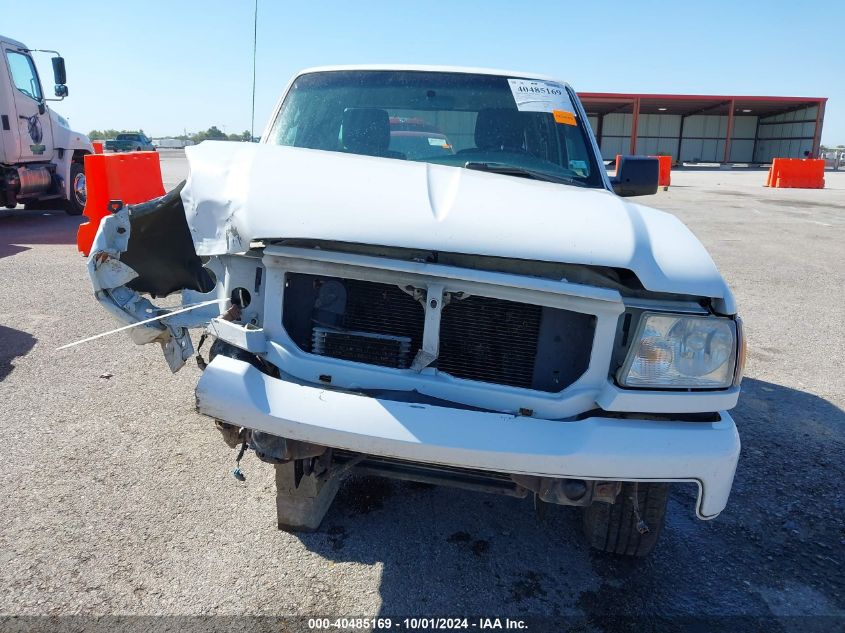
<point>615,527</point>
<point>78,193</point>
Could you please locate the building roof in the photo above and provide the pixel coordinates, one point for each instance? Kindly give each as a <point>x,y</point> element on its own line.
<point>607,102</point>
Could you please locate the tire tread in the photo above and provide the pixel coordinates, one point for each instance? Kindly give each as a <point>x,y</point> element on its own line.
<point>613,527</point>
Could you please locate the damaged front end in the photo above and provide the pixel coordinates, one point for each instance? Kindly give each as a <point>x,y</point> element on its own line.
<point>147,249</point>
<point>459,328</point>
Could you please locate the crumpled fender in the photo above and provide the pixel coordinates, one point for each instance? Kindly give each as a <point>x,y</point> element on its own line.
<point>148,248</point>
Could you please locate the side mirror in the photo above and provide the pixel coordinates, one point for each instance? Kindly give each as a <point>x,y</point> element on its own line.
<point>636,176</point>
<point>59,74</point>
<point>59,77</point>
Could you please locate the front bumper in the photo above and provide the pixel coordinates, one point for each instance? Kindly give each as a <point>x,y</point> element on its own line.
<point>594,448</point>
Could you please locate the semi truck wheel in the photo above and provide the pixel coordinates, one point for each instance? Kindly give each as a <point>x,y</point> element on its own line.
<point>75,205</point>
<point>620,528</point>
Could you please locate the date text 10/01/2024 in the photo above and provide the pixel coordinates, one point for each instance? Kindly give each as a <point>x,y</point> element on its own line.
<point>415,624</point>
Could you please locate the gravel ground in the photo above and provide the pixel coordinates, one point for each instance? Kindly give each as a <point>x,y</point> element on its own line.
<point>117,497</point>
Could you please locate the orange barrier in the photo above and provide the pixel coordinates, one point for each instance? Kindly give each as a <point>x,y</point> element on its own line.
<point>796,173</point>
<point>98,146</point>
<point>131,178</point>
<point>771,178</point>
<point>665,177</point>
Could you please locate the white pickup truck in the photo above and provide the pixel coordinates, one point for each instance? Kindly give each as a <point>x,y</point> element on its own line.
<point>426,273</point>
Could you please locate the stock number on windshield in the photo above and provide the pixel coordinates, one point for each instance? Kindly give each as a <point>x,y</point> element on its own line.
<point>539,90</point>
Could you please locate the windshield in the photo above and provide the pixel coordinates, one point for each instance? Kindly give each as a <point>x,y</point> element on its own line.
<point>513,126</point>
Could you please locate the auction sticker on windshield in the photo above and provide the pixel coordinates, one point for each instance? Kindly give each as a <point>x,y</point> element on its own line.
<point>533,95</point>
<point>564,118</point>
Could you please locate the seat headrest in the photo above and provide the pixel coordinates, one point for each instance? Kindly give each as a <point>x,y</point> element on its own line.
<point>499,128</point>
<point>366,131</point>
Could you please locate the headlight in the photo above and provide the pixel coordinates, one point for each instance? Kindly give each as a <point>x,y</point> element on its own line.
<point>674,351</point>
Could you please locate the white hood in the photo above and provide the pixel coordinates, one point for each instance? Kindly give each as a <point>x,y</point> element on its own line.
<point>237,193</point>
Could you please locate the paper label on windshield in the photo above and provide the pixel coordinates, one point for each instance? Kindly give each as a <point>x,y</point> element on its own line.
<point>533,95</point>
<point>564,118</point>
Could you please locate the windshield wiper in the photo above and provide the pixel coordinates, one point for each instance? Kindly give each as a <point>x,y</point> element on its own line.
<point>511,170</point>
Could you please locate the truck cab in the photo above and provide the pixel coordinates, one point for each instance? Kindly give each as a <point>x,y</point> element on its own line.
<point>41,158</point>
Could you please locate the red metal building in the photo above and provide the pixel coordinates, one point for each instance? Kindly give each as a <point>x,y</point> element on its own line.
<point>706,128</point>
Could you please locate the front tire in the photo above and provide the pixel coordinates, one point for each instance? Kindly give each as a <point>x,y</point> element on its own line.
<point>75,205</point>
<point>615,527</point>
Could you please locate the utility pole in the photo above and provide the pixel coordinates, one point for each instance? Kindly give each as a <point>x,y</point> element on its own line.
<point>254,48</point>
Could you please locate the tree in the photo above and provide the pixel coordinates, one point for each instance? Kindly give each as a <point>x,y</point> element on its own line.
<point>211,134</point>
<point>244,136</point>
<point>104,135</point>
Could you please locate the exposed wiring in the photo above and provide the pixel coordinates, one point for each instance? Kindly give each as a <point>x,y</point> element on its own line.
<point>144,322</point>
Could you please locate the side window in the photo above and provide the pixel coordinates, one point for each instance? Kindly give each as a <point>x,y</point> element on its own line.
<point>23,74</point>
<point>577,154</point>
<point>288,126</point>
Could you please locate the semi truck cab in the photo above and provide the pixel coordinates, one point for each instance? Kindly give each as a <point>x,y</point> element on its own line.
<point>41,158</point>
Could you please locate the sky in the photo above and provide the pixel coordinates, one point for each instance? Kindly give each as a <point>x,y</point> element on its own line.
<point>167,67</point>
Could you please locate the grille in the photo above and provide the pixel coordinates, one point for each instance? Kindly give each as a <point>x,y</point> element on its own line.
<point>361,321</point>
<point>363,347</point>
<point>481,338</point>
<point>383,309</point>
<point>490,340</point>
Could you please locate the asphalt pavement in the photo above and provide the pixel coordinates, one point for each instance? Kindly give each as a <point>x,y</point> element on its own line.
<point>116,497</point>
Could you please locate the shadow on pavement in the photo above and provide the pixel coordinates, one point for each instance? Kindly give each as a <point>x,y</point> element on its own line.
<point>13,343</point>
<point>7,250</point>
<point>19,228</point>
<point>773,556</point>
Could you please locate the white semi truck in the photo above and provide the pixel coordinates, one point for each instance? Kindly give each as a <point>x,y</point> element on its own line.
<point>41,158</point>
